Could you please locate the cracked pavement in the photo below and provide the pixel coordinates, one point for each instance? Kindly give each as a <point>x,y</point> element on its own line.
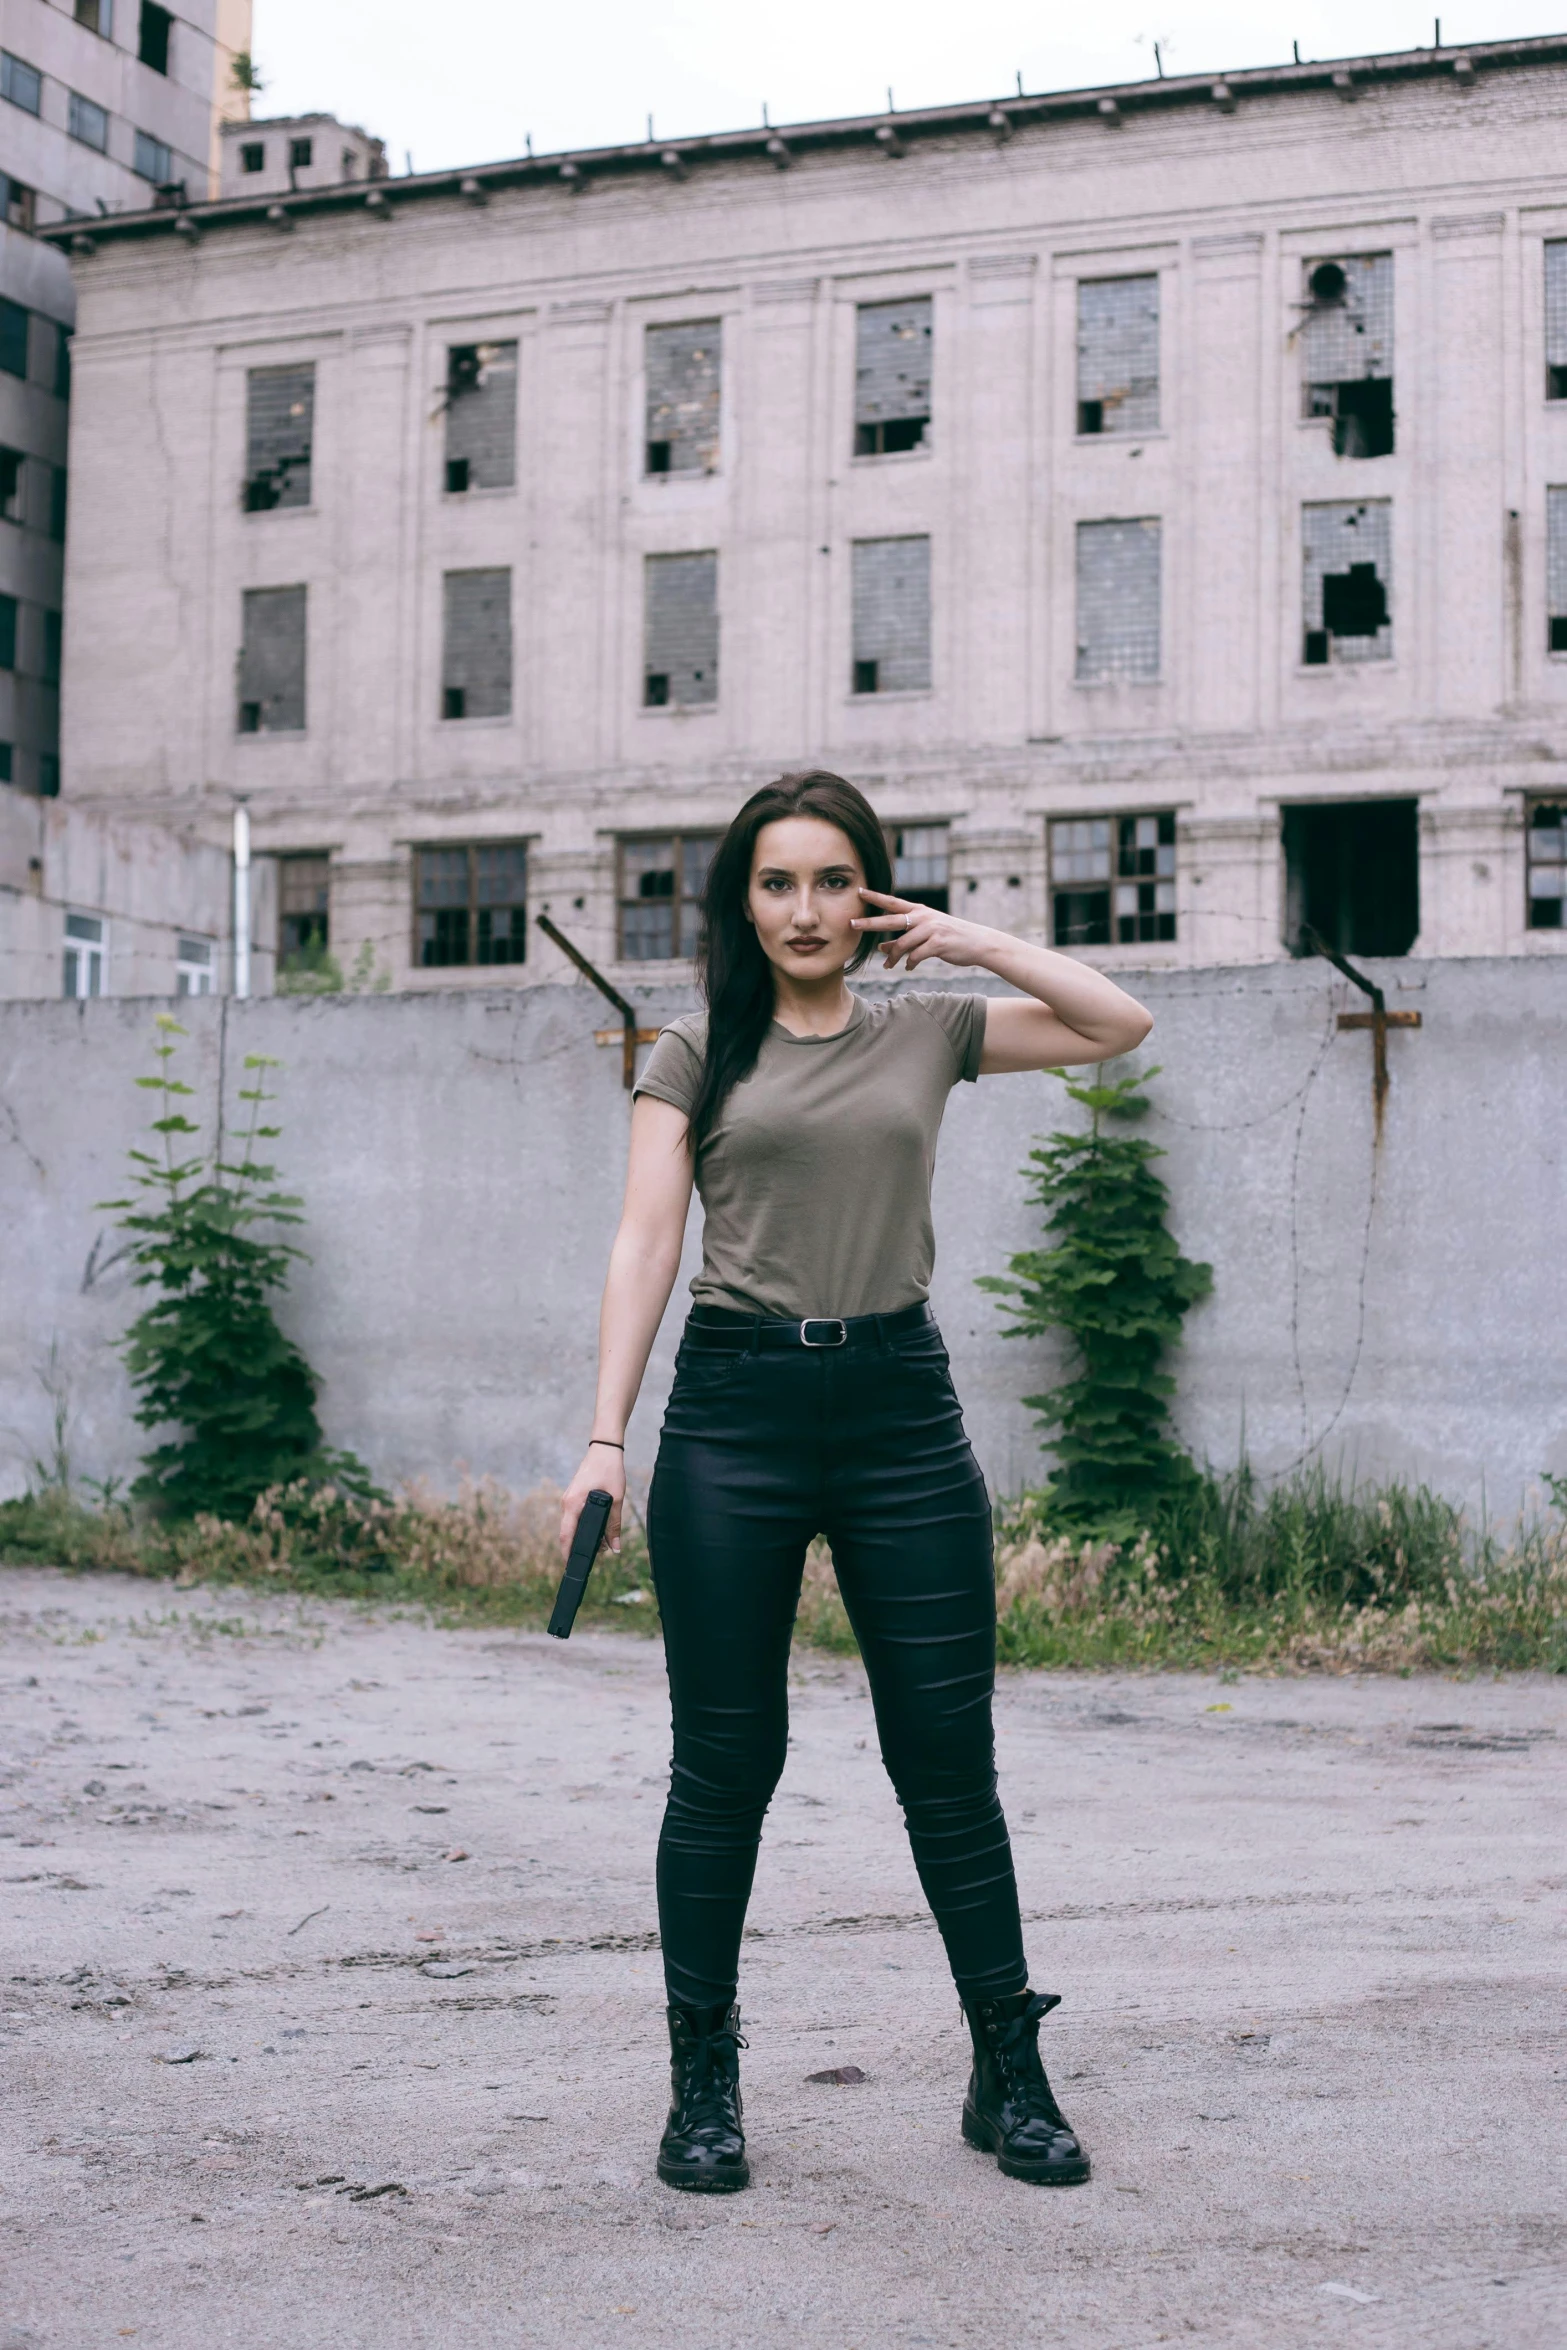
<point>331,2004</point>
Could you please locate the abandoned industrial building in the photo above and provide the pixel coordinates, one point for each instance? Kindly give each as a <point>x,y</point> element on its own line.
<point>1157,498</point>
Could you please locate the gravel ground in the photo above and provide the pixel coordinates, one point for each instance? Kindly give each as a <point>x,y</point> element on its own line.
<point>331,2005</point>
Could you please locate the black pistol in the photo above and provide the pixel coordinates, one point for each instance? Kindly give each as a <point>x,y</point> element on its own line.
<point>584,1550</point>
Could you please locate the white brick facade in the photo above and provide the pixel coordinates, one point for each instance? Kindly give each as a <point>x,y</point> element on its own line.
<point>1232,697</point>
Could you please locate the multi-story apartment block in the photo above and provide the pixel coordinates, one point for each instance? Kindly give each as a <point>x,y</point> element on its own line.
<point>1156,497</point>
<point>106,107</point>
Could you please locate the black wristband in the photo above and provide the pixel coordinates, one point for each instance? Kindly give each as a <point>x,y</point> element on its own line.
<point>609,1440</point>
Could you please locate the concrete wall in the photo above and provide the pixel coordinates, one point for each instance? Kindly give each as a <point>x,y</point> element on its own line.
<point>461,1160</point>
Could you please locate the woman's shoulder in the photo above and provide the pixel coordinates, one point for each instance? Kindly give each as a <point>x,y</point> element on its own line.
<point>956,1014</point>
<point>690,1028</point>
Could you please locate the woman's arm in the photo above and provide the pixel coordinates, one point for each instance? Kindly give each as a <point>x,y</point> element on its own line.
<point>643,1263</point>
<point>1077,1014</point>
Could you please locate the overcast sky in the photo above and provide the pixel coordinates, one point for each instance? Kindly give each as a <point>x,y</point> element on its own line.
<point>467,81</point>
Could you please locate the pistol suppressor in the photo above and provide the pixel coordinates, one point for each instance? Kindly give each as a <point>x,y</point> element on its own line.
<point>584,1550</point>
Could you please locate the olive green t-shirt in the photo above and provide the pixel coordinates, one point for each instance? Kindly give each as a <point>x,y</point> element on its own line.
<point>816,1181</point>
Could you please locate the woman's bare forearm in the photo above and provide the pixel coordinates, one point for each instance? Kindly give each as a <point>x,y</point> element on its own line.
<point>636,1291</point>
<point>1088,1001</point>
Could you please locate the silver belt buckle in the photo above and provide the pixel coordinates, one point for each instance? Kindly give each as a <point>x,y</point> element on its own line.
<point>824,1322</point>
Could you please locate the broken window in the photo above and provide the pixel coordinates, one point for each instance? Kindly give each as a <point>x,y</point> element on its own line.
<point>892,376</point>
<point>304,927</point>
<point>1547,864</point>
<point>280,406</point>
<point>193,966</point>
<point>680,631</point>
<point>470,905</point>
<point>86,954</point>
<point>1112,880</point>
<point>1352,874</point>
<point>22,83</point>
<point>476,644</point>
<point>891,592</point>
<point>11,464</point>
<point>1118,598</point>
<point>684,366</point>
<point>97,16</point>
<point>1556,570</point>
<point>1346,346</point>
<point>920,862</point>
<point>1118,354</point>
<point>481,416</point>
<point>1348,554</point>
<point>1556,320</point>
<point>152,45</point>
<point>272,661</point>
<point>658,894</point>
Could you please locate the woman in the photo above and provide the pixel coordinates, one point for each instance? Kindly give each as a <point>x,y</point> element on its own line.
<point>812,1396</point>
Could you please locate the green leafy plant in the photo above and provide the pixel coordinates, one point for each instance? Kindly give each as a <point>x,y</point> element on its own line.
<point>1114,1281</point>
<point>243,73</point>
<point>310,970</point>
<point>207,1356</point>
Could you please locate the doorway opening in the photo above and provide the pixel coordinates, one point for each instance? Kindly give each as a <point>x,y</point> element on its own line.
<point>1352,874</point>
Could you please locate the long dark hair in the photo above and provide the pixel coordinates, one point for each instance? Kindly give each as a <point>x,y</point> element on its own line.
<point>733,971</point>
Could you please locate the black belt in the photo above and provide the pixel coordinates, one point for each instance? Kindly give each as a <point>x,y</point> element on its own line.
<point>714,1326</point>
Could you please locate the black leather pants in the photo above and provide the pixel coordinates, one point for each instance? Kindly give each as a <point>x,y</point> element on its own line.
<point>865,1445</point>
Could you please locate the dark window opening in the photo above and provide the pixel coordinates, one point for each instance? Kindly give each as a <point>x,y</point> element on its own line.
<point>250,718</point>
<point>253,156</point>
<point>1090,416</point>
<point>1556,383</point>
<point>658,456</point>
<point>303,908</point>
<point>11,484</point>
<point>48,775</point>
<point>13,338</point>
<point>1353,876</point>
<point>62,363</point>
<point>1559,632</point>
<point>456,476</point>
<point>1547,848</point>
<point>1316,651</point>
<point>470,905</point>
<point>1112,880</point>
<point>1362,414</point>
<point>1354,602</point>
<point>7,762</point>
<point>454,701</point>
<point>866,674</point>
<point>20,204</point>
<point>8,612</point>
<point>891,438</point>
<point>655,694</point>
<point>153,43</point>
<point>279,431</point>
<point>300,154</point>
<point>659,895</point>
<point>54,641</point>
<point>57,499</point>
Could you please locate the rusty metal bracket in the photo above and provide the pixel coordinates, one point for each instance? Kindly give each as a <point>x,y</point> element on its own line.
<point>629,1035</point>
<point>1379,1019</point>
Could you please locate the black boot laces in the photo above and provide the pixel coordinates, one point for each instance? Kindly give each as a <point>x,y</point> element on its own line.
<point>709,2086</point>
<point>1016,2046</point>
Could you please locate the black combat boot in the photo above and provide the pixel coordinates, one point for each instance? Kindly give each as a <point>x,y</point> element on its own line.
<point>1009,2110</point>
<point>703,2146</point>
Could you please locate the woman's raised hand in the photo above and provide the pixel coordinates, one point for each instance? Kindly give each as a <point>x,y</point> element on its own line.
<point>606,1469</point>
<point>910,934</point>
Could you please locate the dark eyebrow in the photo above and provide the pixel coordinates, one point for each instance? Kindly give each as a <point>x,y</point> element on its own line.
<point>822,871</point>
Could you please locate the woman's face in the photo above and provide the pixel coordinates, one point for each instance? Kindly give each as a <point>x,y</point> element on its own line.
<point>805,891</point>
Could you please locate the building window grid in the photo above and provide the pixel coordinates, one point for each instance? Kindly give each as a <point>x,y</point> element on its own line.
<point>1346,351</point>
<point>892,371</point>
<point>304,894</point>
<point>1119,565</point>
<point>1112,880</point>
<point>1556,570</point>
<point>684,370</point>
<point>21,83</point>
<point>658,894</point>
<point>476,644</point>
<point>87,122</point>
<point>921,863</point>
<point>1546,839</point>
<point>194,967</point>
<point>154,159</point>
<point>1118,355</point>
<point>481,417</point>
<point>890,592</point>
<point>680,631</point>
<point>470,905</point>
<point>1347,554</point>
<point>86,956</point>
<point>1556,319</point>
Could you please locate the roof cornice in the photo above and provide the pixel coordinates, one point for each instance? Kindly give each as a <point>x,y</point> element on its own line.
<point>893,134</point>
